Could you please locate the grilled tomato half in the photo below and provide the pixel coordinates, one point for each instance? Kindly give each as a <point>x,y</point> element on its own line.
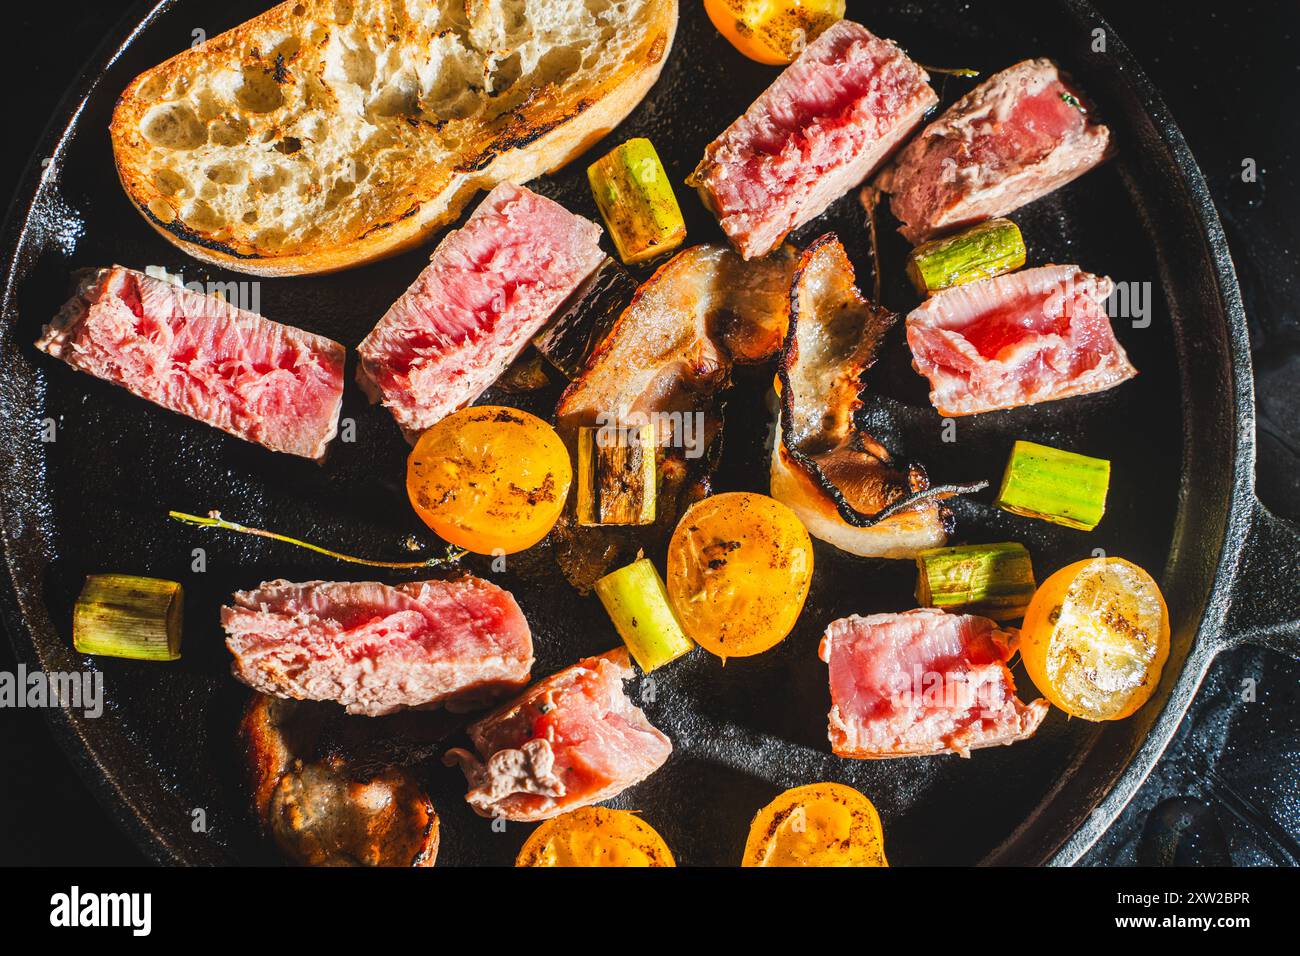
<point>489,479</point>
<point>773,31</point>
<point>1095,638</point>
<point>821,824</point>
<point>739,565</point>
<point>595,836</point>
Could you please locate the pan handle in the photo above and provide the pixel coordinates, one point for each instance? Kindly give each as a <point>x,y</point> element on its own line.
<point>1264,605</point>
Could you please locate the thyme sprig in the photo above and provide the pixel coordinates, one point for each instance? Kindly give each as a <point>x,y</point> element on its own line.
<point>214,520</point>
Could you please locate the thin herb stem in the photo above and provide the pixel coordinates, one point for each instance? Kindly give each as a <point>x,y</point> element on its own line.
<point>214,520</point>
<point>949,71</point>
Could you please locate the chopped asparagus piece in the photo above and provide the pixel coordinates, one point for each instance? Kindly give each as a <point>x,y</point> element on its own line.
<point>988,249</point>
<point>118,615</point>
<point>637,602</point>
<point>616,475</point>
<point>1057,486</point>
<point>994,580</point>
<point>637,201</point>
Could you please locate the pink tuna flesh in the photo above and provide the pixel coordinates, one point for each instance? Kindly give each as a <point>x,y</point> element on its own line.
<point>1016,137</point>
<point>823,126</point>
<point>1018,339</point>
<point>200,356</point>
<point>571,740</point>
<point>923,682</point>
<point>488,289</point>
<point>376,649</point>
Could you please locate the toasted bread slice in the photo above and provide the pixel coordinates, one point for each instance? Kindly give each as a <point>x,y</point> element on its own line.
<point>324,134</point>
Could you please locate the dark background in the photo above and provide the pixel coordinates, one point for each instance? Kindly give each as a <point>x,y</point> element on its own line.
<point>1226,791</point>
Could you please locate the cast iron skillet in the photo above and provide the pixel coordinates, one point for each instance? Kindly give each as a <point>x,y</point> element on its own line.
<point>1180,436</point>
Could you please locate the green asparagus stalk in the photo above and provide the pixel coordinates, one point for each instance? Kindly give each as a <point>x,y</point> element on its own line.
<point>988,249</point>
<point>636,200</point>
<point>637,602</point>
<point>994,580</point>
<point>1057,486</point>
<point>616,475</point>
<point>120,615</point>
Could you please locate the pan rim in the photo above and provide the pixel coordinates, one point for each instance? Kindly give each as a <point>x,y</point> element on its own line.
<point>1239,507</point>
<point>95,772</point>
<point>108,782</point>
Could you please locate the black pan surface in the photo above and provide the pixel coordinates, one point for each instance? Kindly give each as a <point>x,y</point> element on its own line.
<point>1180,438</point>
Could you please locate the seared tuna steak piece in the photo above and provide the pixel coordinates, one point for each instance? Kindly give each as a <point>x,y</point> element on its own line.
<point>1018,339</point>
<point>1014,138</point>
<point>923,682</point>
<point>825,124</point>
<point>199,355</point>
<point>376,649</point>
<point>488,289</point>
<point>571,740</point>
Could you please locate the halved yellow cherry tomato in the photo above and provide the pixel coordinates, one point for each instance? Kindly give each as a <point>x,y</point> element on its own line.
<point>489,479</point>
<point>595,836</point>
<point>773,31</point>
<point>739,565</point>
<point>1095,638</point>
<point>821,824</point>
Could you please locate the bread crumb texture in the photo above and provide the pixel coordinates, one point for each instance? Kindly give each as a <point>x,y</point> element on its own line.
<point>322,121</point>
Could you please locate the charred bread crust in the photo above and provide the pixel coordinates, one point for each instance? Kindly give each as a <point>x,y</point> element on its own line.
<point>223,87</point>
